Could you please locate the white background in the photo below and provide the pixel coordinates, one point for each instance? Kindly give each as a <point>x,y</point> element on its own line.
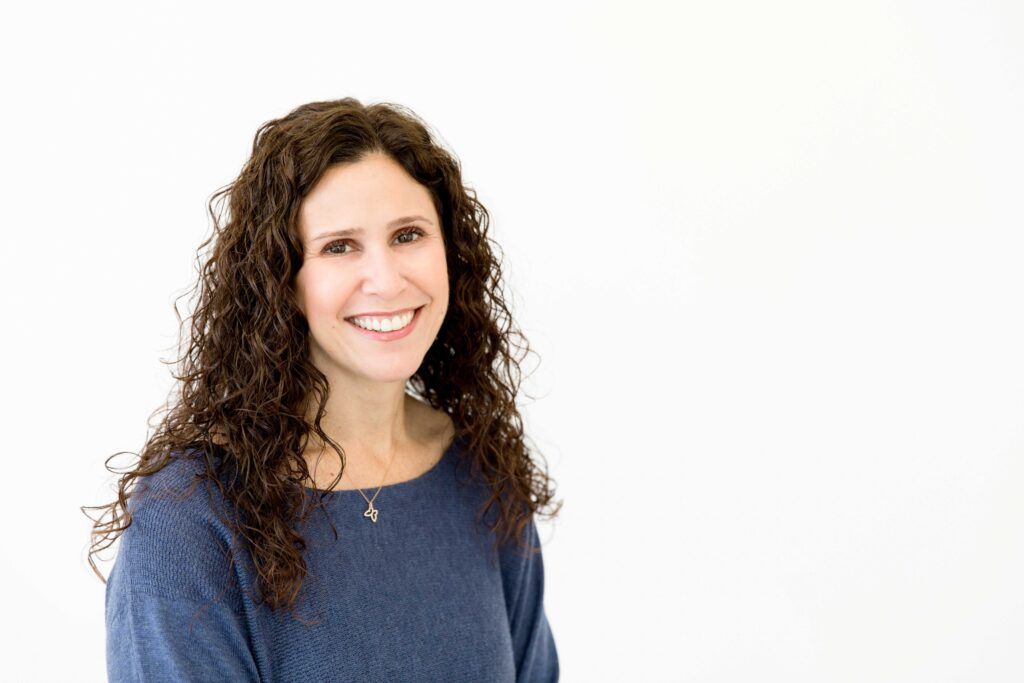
<point>768,254</point>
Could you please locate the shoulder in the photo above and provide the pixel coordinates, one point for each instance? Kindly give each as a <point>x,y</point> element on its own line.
<point>177,542</point>
<point>519,554</point>
<point>176,492</point>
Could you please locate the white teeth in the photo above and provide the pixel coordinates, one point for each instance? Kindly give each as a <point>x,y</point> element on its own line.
<point>385,324</point>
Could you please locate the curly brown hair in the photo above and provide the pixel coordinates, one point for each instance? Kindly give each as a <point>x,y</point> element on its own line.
<point>245,379</point>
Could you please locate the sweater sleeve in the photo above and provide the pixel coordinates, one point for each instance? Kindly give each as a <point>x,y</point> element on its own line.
<point>170,615</point>
<point>532,640</point>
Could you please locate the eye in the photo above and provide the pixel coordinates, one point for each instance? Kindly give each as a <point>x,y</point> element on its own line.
<point>411,231</point>
<point>344,243</point>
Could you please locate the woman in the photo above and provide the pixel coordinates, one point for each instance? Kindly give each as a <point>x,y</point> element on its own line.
<point>299,516</point>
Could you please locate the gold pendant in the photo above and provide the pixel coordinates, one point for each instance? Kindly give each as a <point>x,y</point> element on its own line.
<point>371,512</point>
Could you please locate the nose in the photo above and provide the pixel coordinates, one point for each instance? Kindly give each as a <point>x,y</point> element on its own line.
<point>383,275</point>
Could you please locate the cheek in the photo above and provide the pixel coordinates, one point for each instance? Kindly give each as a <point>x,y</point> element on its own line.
<point>438,271</point>
<point>323,293</point>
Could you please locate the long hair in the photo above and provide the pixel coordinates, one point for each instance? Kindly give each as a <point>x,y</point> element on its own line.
<point>245,378</point>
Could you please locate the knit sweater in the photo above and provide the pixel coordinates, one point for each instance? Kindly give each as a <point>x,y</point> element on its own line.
<point>415,596</point>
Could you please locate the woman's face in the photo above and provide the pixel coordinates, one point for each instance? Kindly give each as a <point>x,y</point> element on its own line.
<point>392,260</point>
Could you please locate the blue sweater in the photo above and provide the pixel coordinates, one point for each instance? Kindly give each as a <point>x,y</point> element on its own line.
<point>415,596</point>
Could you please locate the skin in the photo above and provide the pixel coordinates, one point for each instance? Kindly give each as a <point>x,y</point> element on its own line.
<point>368,412</point>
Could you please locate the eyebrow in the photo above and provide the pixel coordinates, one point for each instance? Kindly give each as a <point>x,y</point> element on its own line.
<point>347,232</point>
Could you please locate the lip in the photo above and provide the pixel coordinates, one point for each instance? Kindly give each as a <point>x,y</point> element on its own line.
<point>389,336</point>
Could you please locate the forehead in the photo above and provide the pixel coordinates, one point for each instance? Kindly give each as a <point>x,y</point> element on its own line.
<point>368,194</point>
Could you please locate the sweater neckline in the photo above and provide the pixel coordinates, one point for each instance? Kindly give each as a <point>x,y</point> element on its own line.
<point>420,479</point>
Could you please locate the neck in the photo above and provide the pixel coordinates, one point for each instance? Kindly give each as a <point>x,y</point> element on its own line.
<point>369,426</point>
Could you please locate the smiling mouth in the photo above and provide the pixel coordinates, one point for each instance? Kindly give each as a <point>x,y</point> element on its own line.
<point>411,315</point>
<point>404,311</point>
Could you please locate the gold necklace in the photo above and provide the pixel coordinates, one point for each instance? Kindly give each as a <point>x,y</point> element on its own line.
<point>371,511</point>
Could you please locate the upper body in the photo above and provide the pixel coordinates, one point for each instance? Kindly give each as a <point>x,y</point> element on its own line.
<point>416,595</point>
<point>328,291</point>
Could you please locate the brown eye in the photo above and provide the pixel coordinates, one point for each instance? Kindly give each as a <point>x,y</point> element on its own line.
<point>337,243</point>
<point>412,231</point>
<point>341,243</point>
